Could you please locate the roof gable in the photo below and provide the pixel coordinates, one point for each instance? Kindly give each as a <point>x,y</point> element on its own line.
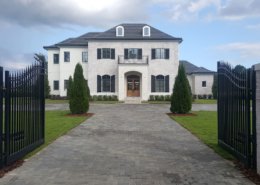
<point>193,69</point>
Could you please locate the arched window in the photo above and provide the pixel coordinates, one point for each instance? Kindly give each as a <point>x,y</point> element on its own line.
<point>120,31</point>
<point>159,83</point>
<point>146,31</point>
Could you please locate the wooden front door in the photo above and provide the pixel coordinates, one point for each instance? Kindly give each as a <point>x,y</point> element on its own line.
<point>133,86</point>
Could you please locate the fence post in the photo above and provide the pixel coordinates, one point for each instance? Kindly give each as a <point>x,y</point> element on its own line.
<point>7,113</point>
<point>257,114</point>
<point>42,98</point>
<point>1,117</point>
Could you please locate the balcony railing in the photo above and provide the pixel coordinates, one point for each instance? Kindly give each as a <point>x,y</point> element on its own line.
<point>143,60</point>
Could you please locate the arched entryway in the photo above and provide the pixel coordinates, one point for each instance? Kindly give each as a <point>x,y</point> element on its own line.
<point>133,86</point>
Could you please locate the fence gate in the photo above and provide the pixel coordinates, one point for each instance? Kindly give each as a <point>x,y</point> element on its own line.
<point>21,112</point>
<point>236,112</point>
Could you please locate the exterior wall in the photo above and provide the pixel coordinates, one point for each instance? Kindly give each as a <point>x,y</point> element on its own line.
<point>257,69</point>
<point>111,67</point>
<point>63,70</point>
<point>190,79</point>
<point>53,70</point>
<point>197,88</point>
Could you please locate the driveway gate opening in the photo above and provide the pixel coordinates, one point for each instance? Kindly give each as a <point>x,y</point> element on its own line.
<point>236,112</point>
<point>22,112</point>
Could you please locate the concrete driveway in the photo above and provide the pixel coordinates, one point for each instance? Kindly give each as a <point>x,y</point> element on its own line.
<point>126,145</point>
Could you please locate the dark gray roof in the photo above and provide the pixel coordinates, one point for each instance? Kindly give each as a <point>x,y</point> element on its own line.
<point>135,32</point>
<point>131,32</point>
<point>192,69</point>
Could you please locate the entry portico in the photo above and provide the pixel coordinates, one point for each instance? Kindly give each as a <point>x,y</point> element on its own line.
<point>131,77</point>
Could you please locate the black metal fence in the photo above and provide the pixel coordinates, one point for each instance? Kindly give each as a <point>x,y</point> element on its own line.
<point>236,128</point>
<point>22,112</point>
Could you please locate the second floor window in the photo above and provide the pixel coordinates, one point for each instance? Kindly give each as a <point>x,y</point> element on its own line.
<point>56,58</point>
<point>160,53</point>
<point>66,56</point>
<point>105,53</point>
<point>84,56</point>
<point>133,53</point>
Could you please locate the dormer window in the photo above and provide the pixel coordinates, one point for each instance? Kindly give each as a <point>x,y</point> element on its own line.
<point>146,31</point>
<point>120,31</point>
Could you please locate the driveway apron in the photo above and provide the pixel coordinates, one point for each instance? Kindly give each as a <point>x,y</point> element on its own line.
<point>126,145</point>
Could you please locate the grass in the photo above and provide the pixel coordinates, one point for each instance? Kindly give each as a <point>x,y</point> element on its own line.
<point>204,126</point>
<point>49,101</point>
<point>56,125</point>
<point>204,101</point>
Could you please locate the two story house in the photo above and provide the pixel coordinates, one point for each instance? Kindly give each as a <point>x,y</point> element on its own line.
<point>128,60</point>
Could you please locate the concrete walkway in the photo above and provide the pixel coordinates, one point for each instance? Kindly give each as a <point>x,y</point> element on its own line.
<point>195,107</point>
<point>126,145</point>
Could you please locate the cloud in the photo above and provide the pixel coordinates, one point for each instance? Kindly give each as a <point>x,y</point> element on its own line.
<point>253,27</point>
<point>240,9</point>
<point>190,10</point>
<point>241,52</point>
<point>187,10</point>
<point>12,61</point>
<point>97,13</point>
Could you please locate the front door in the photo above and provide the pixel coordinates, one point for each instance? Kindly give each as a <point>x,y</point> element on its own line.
<point>133,86</point>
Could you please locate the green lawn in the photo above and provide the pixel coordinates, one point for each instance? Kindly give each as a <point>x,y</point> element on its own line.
<point>204,126</point>
<point>49,101</point>
<point>56,125</point>
<point>204,101</point>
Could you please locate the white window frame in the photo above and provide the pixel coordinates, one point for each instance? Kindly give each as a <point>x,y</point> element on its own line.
<point>149,31</point>
<point>118,32</point>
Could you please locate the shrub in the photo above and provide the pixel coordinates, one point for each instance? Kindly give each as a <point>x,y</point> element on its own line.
<point>210,96</point>
<point>205,96</point>
<point>181,98</point>
<point>167,98</point>
<point>78,100</point>
<point>99,98</point>
<point>161,98</point>
<point>114,98</point>
<point>194,96</point>
<point>200,96</point>
<point>151,98</point>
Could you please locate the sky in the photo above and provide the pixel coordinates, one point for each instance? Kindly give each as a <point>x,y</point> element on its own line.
<point>212,30</point>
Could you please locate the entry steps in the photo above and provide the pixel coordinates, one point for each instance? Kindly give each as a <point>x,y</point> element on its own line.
<point>133,100</point>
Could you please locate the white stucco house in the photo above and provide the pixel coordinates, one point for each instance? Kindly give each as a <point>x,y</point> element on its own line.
<point>128,60</point>
<point>200,79</point>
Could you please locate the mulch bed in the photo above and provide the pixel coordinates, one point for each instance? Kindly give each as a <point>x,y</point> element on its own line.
<point>187,114</point>
<point>80,115</point>
<point>11,167</point>
<point>249,173</point>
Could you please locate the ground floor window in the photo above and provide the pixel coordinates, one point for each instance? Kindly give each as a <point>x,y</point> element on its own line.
<point>56,85</point>
<point>106,83</point>
<point>160,83</point>
<point>66,84</point>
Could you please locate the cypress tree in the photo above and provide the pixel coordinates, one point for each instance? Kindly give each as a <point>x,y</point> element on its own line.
<point>181,98</point>
<point>70,83</point>
<point>215,87</point>
<point>78,98</point>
